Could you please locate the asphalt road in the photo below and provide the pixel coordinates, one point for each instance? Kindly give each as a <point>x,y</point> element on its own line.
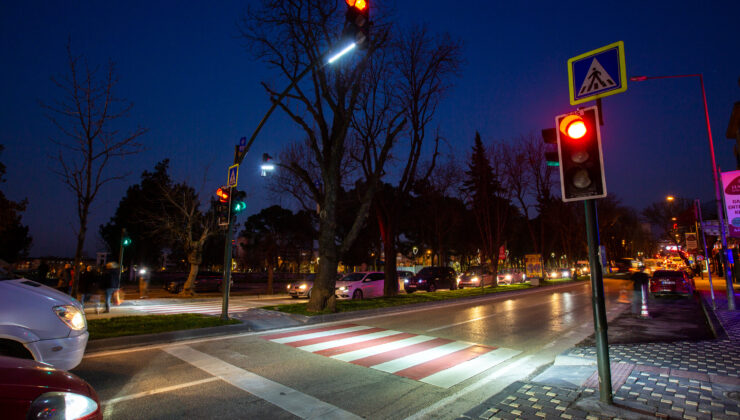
<point>461,353</point>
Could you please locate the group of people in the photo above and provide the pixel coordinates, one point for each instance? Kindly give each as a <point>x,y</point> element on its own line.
<point>91,280</point>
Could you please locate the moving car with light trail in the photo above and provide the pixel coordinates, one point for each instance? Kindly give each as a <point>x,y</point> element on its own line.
<point>40,323</point>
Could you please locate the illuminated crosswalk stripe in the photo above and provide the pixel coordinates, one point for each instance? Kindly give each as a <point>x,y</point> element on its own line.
<point>207,308</point>
<point>437,361</point>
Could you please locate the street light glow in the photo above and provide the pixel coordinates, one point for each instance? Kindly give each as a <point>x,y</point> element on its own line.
<point>346,49</point>
<point>670,198</point>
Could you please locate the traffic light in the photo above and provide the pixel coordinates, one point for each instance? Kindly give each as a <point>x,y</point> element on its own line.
<point>550,138</point>
<point>126,241</point>
<point>357,27</point>
<point>237,201</point>
<point>223,194</point>
<point>579,151</point>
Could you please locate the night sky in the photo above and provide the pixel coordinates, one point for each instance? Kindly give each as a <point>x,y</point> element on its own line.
<point>198,91</point>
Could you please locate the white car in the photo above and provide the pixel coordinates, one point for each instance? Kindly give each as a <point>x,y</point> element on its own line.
<point>366,284</point>
<point>40,323</point>
<point>511,277</point>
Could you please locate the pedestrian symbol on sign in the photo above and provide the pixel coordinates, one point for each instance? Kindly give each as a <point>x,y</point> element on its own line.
<point>233,176</point>
<point>596,79</point>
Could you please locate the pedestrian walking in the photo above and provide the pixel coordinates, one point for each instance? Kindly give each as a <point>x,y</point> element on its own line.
<point>639,286</point>
<point>64,284</point>
<point>88,283</point>
<point>111,282</point>
<point>144,277</point>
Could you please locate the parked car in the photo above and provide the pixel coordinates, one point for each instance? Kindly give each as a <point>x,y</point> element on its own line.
<point>40,323</point>
<point>366,284</point>
<point>431,279</point>
<point>665,282</point>
<point>474,276</point>
<point>203,283</point>
<point>302,289</point>
<point>511,276</point>
<point>33,390</point>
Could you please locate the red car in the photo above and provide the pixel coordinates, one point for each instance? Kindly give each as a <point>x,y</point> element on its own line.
<point>34,390</point>
<point>671,282</point>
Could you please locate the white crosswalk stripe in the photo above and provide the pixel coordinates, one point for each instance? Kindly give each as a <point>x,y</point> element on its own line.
<point>206,308</point>
<point>435,361</point>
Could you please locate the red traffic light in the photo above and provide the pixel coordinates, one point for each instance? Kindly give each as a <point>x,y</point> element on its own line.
<point>357,4</point>
<point>223,194</point>
<point>573,126</point>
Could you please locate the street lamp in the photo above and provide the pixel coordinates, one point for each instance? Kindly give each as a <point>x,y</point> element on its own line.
<point>718,197</point>
<point>670,198</point>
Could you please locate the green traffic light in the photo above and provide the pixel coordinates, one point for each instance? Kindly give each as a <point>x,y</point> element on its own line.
<point>126,241</point>
<point>239,206</point>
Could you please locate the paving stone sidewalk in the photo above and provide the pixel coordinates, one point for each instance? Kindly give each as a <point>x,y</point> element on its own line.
<point>689,380</point>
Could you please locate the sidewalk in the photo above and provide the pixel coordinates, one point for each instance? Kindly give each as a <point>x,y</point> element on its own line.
<point>671,379</point>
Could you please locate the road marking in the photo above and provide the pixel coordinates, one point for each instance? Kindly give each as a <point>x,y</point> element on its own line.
<point>519,366</point>
<point>445,362</point>
<point>206,308</point>
<point>159,391</point>
<point>288,399</point>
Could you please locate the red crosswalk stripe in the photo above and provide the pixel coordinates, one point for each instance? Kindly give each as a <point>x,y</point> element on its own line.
<point>404,351</point>
<point>436,365</point>
<point>318,340</point>
<point>363,345</point>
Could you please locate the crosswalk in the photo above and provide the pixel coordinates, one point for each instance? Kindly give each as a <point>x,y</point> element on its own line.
<point>206,307</point>
<point>437,361</point>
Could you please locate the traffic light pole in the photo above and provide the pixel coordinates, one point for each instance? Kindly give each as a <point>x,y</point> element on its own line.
<point>597,301</point>
<point>120,255</point>
<point>226,284</point>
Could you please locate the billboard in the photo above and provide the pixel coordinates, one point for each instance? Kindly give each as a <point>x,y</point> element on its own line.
<point>731,189</point>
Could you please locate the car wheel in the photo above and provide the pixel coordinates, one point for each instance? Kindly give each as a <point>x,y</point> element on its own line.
<point>432,287</point>
<point>357,295</point>
<point>308,295</point>
<point>14,349</point>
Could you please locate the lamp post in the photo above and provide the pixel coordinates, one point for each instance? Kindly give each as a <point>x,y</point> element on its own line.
<point>717,193</point>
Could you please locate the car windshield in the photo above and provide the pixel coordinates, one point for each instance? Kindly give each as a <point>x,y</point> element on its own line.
<point>427,271</point>
<point>353,277</point>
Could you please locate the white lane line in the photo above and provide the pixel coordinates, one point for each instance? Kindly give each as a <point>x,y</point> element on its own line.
<point>465,370</point>
<point>319,334</point>
<point>421,357</point>
<point>289,399</point>
<point>519,366</point>
<point>159,391</point>
<point>382,348</point>
<point>488,316</point>
<point>351,340</point>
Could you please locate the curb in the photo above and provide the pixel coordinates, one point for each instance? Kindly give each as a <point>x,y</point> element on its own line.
<point>715,326</point>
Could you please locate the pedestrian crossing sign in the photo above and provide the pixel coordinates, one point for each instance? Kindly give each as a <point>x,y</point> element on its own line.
<point>598,73</point>
<point>233,176</point>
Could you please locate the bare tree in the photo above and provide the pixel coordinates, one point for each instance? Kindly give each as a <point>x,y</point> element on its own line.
<point>292,36</point>
<point>179,217</point>
<point>403,89</point>
<point>86,117</point>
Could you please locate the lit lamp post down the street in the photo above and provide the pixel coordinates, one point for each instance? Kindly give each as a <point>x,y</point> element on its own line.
<point>717,192</point>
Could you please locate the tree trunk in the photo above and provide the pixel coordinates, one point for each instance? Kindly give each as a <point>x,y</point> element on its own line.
<point>78,256</point>
<point>194,258</point>
<point>324,284</point>
<point>270,275</point>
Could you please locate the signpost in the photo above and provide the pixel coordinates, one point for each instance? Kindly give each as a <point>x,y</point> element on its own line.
<point>597,73</point>
<point>233,176</point>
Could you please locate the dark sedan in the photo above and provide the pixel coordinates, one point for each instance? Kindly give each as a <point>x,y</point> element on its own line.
<point>431,279</point>
<point>203,283</point>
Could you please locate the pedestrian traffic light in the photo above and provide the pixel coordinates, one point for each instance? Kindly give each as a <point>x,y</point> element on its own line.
<point>357,26</point>
<point>126,241</point>
<point>550,137</point>
<point>237,201</point>
<point>223,194</point>
<point>579,152</point>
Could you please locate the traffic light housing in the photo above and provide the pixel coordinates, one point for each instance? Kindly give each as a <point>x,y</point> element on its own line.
<point>223,194</point>
<point>237,201</point>
<point>126,241</point>
<point>550,137</point>
<point>580,156</point>
<point>357,27</point>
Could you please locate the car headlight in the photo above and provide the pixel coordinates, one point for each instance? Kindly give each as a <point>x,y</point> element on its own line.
<point>553,274</point>
<point>405,280</point>
<point>302,287</point>
<point>72,316</point>
<point>475,279</point>
<point>62,406</point>
<point>524,276</point>
<point>343,289</point>
<point>288,286</point>
<point>142,271</point>
<point>565,273</point>
<point>507,277</point>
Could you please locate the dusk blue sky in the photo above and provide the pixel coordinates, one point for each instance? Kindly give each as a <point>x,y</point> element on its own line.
<point>198,91</point>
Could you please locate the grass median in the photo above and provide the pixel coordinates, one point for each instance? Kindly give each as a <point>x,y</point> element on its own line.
<point>402,299</point>
<point>151,324</point>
